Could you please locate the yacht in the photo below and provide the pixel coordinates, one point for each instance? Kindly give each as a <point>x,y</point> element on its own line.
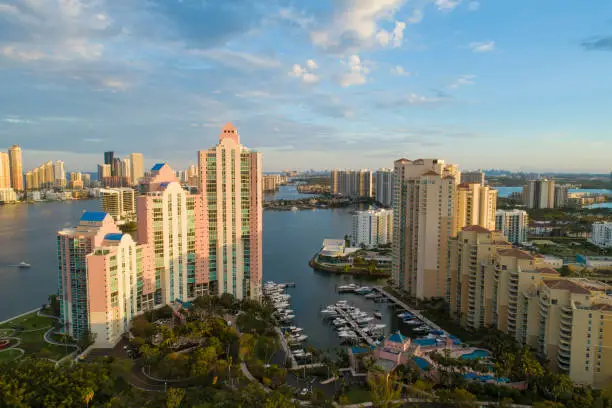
<point>363,290</point>
<point>378,315</point>
<point>421,329</point>
<point>23,265</point>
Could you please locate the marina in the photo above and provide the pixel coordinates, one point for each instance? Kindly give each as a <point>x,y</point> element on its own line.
<point>352,324</point>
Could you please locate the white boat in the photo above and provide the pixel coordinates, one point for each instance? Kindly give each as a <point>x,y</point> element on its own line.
<point>23,265</point>
<point>296,330</point>
<point>298,339</point>
<point>378,315</point>
<point>371,295</point>
<point>365,320</point>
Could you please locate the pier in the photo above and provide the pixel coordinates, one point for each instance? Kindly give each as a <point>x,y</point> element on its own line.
<point>416,313</point>
<point>346,316</point>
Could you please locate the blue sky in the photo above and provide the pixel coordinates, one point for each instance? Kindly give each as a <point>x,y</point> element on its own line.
<point>522,84</point>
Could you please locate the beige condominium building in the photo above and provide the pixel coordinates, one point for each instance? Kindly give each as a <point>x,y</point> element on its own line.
<point>16,167</point>
<point>424,199</point>
<point>476,205</point>
<point>352,183</point>
<point>119,203</point>
<point>5,171</point>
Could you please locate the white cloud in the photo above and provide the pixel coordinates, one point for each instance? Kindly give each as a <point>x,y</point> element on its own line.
<point>473,5</point>
<point>7,8</point>
<point>447,5</point>
<point>398,33</point>
<point>11,52</point>
<point>357,25</point>
<point>463,80</point>
<point>357,73</point>
<point>416,17</point>
<point>482,47</point>
<point>305,73</point>
<point>114,84</point>
<point>399,70</point>
<point>237,59</point>
<point>298,18</point>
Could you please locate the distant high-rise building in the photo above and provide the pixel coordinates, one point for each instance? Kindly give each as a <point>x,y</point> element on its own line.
<point>76,180</point>
<point>601,234</point>
<point>561,195</point>
<point>513,224</point>
<point>104,171</point>
<point>49,175</point>
<point>352,183</point>
<point>5,171</point>
<point>116,168</point>
<point>119,203</point>
<point>372,227</point>
<point>16,167</point>
<point>137,167</point>
<point>86,178</point>
<point>471,177</point>
<point>270,182</point>
<point>126,168</point>
<point>424,198</point>
<point>384,186</point>
<point>476,205</point>
<point>231,186</point>
<point>109,158</point>
<point>59,174</point>
<point>539,193</point>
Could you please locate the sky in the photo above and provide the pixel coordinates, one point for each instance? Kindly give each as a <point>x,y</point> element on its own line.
<point>321,84</point>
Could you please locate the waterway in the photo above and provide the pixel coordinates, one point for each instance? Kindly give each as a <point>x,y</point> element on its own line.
<point>28,233</point>
<point>506,191</point>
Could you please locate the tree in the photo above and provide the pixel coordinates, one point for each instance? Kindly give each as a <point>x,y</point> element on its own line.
<point>203,361</point>
<point>54,305</point>
<point>247,345</point>
<point>385,389</point>
<point>458,397</point>
<point>88,395</point>
<point>86,339</point>
<point>175,397</point>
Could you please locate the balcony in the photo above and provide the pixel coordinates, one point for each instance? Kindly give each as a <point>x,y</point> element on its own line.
<point>563,362</point>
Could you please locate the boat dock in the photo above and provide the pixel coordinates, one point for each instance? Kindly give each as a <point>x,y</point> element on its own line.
<point>346,316</point>
<point>416,313</point>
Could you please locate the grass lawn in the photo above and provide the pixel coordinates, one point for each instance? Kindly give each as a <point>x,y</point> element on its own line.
<point>358,395</point>
<point>31,329</point>
<point>9,355</point>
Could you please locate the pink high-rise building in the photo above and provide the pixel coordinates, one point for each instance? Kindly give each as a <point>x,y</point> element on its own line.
<point>231,177</point>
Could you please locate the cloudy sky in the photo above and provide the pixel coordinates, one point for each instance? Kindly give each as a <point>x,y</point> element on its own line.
<point>518,84</point>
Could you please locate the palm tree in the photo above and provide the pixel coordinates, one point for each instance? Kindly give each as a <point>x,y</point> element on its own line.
<point>88,395</point>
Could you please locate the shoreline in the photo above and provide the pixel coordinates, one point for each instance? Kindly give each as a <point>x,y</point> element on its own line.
<point>340,270</point>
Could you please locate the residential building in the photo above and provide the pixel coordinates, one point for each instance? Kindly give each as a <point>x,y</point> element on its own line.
<point>476,205</point>
<point>59,174</point>
<point>119,203</point>
<point>473,177</point>
<point>352,183</point>
<point>514,224</point>
<point>384,187</point>
<point>170,221</point>
<point>601,234</point>
<point>561,195</point>
<point>104,171</point>
<point>114,282</point>
<point>73,246</point>
<point>109,158</point>
<point>539,193</point>
<point>575,328</point>
<point>86,178</point>
<point>137,167</point>
<point>271,182</point>
<point>471,276</point>
<point>231,188</point>
<point>595,262</point>
<point>5,171</point>
<point>7,195</point>
<point>424,199</point>
<point>126,169</point>
<point>16,167</point>
<point>372,227</point>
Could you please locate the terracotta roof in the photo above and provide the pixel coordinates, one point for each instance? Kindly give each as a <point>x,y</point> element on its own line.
<point>431,173</point>
<point>475,228</point>
<point>548,271</point>
<point>515,252</point>
<point>603,307</point>
<point>565,284</point>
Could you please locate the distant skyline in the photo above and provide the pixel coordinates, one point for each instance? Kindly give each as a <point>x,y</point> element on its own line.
<point>520,85</point>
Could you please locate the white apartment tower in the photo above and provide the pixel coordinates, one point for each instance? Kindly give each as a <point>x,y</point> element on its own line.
<point>372,227</point>
<point>513,224</point>
<point>137,167</point>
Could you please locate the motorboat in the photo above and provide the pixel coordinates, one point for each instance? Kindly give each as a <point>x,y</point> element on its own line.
<point>23,265</point>
<point>364,290</point>
<point>348,288</point>
<point>378,315</point>
<point>412,322</point>
<point>421,329</point>
<point>365,320</point>
<point>405,314</point>
<point>371,295</point>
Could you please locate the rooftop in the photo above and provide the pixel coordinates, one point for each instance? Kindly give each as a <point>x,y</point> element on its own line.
<point>113,237</point>
<point>547,271</point>
<point>93,216</point>
<point>566,284</point>
<point>397,337</point>
<point>158,167</point>
<point>476,228</point>
<point>517,253</point>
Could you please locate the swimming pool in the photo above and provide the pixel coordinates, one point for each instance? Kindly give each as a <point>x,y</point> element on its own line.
<point>476,354</point>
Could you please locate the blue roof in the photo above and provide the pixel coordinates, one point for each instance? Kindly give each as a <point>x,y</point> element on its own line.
<point>93,216</point>
<point>158,166</point>
<point>422,363</point>
<point>360,350</point>
<point>113,237</point>
<point>397,337</point>
<point>425,342</point>
<point>164,184</point>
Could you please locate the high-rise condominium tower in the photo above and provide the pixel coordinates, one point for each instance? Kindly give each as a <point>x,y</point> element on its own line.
<point>384,186</point>
<point>424,192</point>
<point>231,188</point>
<point>16,168</point>
<point>539,194</point>
<point>137,167</point>
<point>5,171</point>
<point>59,174</point>
<point>352,183</point>
<point>476,205</point>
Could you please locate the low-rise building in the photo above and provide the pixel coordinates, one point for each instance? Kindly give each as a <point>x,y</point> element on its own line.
<point>7,195</point>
